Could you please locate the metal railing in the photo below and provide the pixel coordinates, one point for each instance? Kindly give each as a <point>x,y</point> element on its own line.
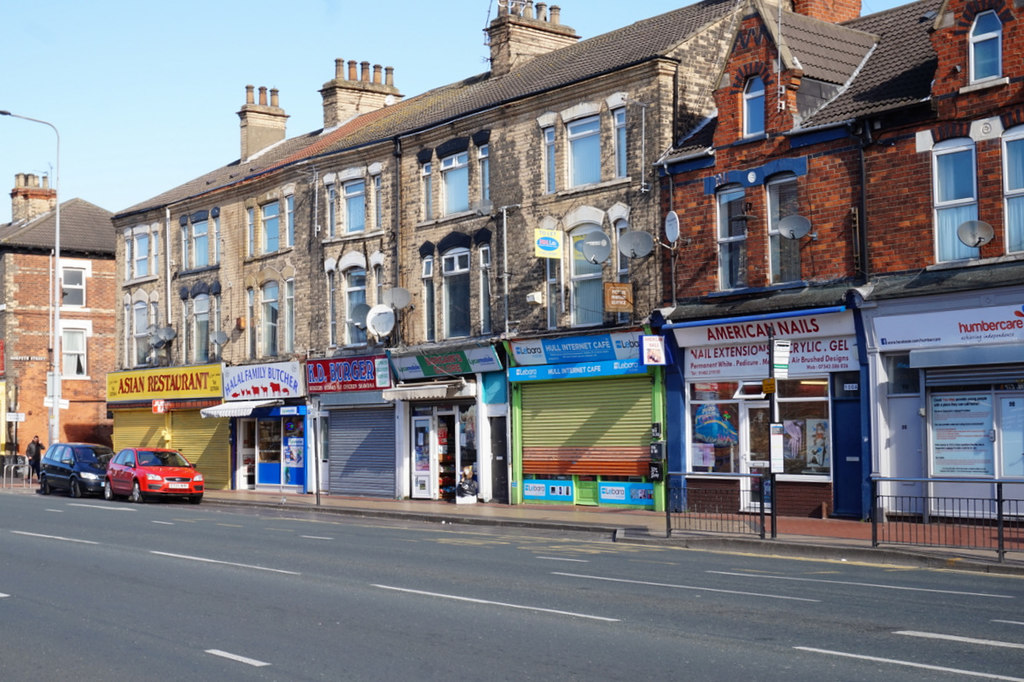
<point>926,517</point>
<point>15,466</point>
<point>718,510</point>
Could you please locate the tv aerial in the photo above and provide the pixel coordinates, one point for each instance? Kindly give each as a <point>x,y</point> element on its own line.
<point>975,233</point>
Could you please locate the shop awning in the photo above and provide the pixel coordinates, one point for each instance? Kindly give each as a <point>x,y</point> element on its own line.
<point>238,408</point>
<point>434,390</point>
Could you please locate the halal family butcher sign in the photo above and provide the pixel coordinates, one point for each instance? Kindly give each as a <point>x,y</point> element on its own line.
<point>260,382</point>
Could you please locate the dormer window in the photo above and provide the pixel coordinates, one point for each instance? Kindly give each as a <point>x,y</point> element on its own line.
<point>986,44</point>
<point>753,107</point>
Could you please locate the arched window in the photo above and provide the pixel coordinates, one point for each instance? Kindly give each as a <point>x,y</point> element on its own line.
<point>986,43</point>
<point>455,270</point>
<point>587,281</point>
<point>753,107</point>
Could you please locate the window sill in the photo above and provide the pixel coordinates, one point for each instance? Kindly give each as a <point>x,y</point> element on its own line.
<point>976,262</point>
<point>594,186</point>
<point>984,85</point>
<point>197,271</point>
<point>745,291</point>
<point>355,236</point>
<point>451,218</point>
<point>264,256</point>
<point>140,280</point>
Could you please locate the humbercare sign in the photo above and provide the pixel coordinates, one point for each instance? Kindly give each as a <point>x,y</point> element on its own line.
<point>200,381</point>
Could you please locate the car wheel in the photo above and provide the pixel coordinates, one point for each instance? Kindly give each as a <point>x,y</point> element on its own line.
<point>195,499</point>
<point>136,493</point>
<point>44,486</point>
<point>108,492</point>
<point>74,490</point>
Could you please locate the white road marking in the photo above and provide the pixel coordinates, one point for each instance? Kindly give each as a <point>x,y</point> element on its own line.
<point>497,603</point>
<point>909,664</point>
<point>562,558</point>
<point>956,638</point>
<point>761,576</point>
<point>56,511</point>
<point>2,595</point>
<point>315,537</point>
<point>235,657</point>
<point>54,537</point>
<point>685,587</point>
<point>103,507</point>
<point>162,523</point>
<point>224,563</point>
<point>1009,622</point>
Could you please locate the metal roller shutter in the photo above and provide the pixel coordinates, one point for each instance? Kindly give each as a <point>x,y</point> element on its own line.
<point>601,426</point>
<point>975,375</point>
<point>362,452</point>
<point>205,443</point>
<point>138,428</point>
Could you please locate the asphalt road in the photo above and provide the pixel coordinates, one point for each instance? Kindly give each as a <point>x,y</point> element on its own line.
<point>91,590</point>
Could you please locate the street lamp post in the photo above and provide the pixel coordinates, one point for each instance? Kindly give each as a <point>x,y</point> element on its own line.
<point>57,293</point>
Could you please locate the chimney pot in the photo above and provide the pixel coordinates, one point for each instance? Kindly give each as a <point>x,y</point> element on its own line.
<point>364,72</point>
<point>273,97</point>
<point>263,95</point>
<point>389,76</point>
<point>249,99</point>
<point>339,69</point>
<point>542,11</point>
<point>556,14</point>
<point>528,13</point>
<point>351,69</point>
<point>376,74</point>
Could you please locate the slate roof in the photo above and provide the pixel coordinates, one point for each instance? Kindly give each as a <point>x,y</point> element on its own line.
<point>624,47</point>
<point>85,229</point>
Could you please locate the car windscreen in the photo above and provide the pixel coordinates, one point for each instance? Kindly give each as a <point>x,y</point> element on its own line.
<point>97,455</point>
<point>157,458</point>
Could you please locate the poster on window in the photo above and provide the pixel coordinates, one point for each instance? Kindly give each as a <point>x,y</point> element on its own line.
<point>962,435</point>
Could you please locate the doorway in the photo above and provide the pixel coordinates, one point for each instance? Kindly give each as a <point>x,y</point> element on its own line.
<point>755,438</point>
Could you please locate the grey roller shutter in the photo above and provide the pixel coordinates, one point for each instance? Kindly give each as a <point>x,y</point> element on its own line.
<point>362,452</point>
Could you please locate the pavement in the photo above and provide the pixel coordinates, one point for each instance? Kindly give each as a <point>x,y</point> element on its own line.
<point>807,538</point>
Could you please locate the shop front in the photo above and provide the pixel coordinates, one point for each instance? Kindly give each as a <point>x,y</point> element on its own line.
<point>586,412</point>
<point>725,407</point>
<point>451,408</point>
<point>357,449</point>
<point>950,405</point>
<point>265,406</point>
<point>161,407</point>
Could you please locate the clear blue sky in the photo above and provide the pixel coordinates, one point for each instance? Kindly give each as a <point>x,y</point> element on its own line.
<point>145,94</point>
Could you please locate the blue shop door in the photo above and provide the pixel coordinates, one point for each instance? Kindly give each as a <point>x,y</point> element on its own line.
<point>847,478</point>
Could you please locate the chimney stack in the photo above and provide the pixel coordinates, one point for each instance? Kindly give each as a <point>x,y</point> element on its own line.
<point>29,199</point>
<point>262,124</point>
<point>833,11</point>
<point>344,98</point>
<point>518,34</point>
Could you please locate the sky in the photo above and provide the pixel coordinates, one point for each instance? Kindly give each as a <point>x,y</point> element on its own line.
<point>145,95</point>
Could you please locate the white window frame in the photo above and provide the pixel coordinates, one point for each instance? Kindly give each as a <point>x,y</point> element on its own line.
<point>289,221</point>
<point>427,187</point>
<point>455,264</point>
<point>429,314</point>
<point>782,250</point>
<point>1013,188</point>
<point>250,231</point>
<point>141,255</point>
<point>201,328</point>
<point>378,206</point>
<point>583,134</point>
<point>552,277</point>
<point>140,333</point>
<point>332,210</point>
<point>983,41</point>
<point>354,195</point>
<point>731,246</point>
<point>68,351</point>
<point>754,100</point>
<point>483,156</point>
<point>619,121</point>
<point>289,316</point>
<point>622,262</point>
<point>355,294</point>
<point>550,165</point>
<point>270,223</point>
<point>455,183</point>
<point>270,312</point>
<point>583,279</point>
<point>332,308</point>
<point>951,211</point>
<point>250,327</point>
<point>65,270</point>
<point>486,320</point>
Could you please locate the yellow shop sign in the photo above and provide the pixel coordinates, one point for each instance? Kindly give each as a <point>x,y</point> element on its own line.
<point>201,381</point>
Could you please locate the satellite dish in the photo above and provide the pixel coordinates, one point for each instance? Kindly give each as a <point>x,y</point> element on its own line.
<point>156,342</point>
<point>975,233</point>
<point>166,333</point>
<point>380,320</point>
<point>398,298</point>
<point>219,338</point>
<point>635,244</point>
<point>794,226</point>
<point>595,247</point>
<point>672,227</point>
<point>358,315</point>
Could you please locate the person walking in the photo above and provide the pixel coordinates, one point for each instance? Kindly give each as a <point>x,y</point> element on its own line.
<point>33,452</point>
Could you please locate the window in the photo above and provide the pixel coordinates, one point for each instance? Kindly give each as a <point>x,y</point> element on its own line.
<point>250,232</point>
<point>955,196</point>
<point>216,236</point>
<point>289,221</point>
<point>201,328</point>
<point>378,280</point>
<point>732,238</point>
<point>428,298</point>
<point>186,244</point>
<point>200,244</point>
<point>485,290</point>
<point>1013,174</point>
<point>621,227</point>
<point>140,332</point>
<point>355,296</point>
<point>141,255</point>
<point>455,183</point>
<point>73,349</point>
<point>587,281</point>
<point>619,117</point>
<point>332,308</point>
<point>428,191</point>
<point>73,286</point>
<point>271,214</point>
<point>455,269</point>
<point>484,165</point>
<point>250,327</point>
<point>551,297</point>
<point>269,297</point>
<point>355,206</point>
<point>785,252</point>
<point>289,316</point>
<point>549,160</point>
<point>584,151</point>
<point>332,211</point>
<point>753,107</point>
<point>986,47</point>
<point>378,206</point>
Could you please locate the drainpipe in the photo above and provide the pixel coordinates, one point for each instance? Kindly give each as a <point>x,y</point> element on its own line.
<point>167,265</point>
<point>397,216</point>
<point>504,257</point>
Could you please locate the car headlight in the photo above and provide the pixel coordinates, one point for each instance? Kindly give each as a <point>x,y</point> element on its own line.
<point>154,477</point>
<point>198,478</point>
<point>89,476</point>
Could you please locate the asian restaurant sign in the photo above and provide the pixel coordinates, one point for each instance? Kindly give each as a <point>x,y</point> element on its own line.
<point>162,383</point>
<point>366,373</point>
<point>263,382</point>
<point>739,350</point>
<point>446,363</point>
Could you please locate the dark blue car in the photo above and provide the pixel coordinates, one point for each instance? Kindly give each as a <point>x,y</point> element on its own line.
<point>78,468</point>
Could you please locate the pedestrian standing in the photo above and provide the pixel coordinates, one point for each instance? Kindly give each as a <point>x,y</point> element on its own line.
<point>33,452</point>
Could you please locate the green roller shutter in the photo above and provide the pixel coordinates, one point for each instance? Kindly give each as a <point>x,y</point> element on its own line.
<point>205,443</point>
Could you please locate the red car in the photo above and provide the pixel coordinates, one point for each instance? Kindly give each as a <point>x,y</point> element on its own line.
<point>141,473</point>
